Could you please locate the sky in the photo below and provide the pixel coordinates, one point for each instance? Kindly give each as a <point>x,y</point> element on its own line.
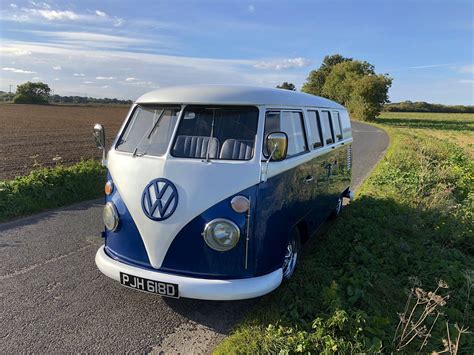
<point>125,48</point>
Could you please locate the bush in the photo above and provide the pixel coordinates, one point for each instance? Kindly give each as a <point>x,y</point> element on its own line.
<point>51,187</point>
<point>32,93</point>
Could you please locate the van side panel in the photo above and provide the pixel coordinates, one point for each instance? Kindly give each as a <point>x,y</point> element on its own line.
<point>283,201</point>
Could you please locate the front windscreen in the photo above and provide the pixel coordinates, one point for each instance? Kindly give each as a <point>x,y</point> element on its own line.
<point>222,132</point>
<point>149,130</point>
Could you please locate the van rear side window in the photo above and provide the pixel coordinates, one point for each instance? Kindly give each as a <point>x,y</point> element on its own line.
<point>290,122</point>
<point>315,125</point>
<point>328,132</point>
<point>337,125</point>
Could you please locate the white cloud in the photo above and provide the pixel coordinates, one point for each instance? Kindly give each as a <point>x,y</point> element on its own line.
<point>467,81</point>
<point>166,70</point>
<point>90,39</point>
<point>57,67</point>
<point>19,71</point>
<point>118,21</point>
<point>53,15</point>
<point>105,87</point>
<point>88,82</point>
<point>56,79</point>
<point>467,69</point>
<point>16,51</point>
<point>36,78</point>
<point>79,74</point>
<point>131,79</point>
<point>251,8</point>
<point>100,13</point>
<point>282,64</point>
<point>105,78</point>
<point>14,6</point>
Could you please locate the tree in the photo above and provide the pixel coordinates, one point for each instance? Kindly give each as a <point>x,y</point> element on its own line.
<point>352,83</point>
<point>32,93</point>
<point>316,78</point>
<point>287,86</point>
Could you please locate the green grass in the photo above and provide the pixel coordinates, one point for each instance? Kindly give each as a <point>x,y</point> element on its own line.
<point>50,187</point>
<point>412,219</point>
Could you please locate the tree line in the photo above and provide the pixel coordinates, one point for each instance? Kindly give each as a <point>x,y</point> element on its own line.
<point>40,93</point>
<point>421,106</point>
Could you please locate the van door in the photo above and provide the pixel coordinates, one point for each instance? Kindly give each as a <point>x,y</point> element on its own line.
<point>285,198</point>
<point>320,187</point>
<point>329,162</point>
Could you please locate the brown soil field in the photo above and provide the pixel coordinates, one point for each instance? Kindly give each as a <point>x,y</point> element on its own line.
<point>31,136</point>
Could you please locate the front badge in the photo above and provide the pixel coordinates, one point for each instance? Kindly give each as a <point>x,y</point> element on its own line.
<point>159,199</point>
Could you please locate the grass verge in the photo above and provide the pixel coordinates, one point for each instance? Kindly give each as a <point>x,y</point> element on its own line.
<point>411,224</point>
<point>51,187</point>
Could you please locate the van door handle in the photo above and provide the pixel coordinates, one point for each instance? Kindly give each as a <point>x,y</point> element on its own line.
<point>308,179</point>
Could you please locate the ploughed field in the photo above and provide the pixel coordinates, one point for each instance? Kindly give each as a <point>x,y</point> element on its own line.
<point>34,136</point>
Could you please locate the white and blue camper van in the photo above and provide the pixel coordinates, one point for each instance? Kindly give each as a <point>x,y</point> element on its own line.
<point>211,190</point>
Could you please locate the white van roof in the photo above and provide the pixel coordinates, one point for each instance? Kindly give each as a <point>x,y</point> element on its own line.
<point>234,95</point>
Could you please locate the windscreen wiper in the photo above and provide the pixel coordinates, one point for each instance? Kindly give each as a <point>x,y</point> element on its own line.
<point>148,135</point>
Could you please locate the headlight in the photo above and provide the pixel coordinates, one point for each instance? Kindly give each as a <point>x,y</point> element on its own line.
<point>110,216</point>
<point>221,234</point>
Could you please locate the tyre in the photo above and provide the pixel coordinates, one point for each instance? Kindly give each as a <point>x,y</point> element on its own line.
<point>292,254</point>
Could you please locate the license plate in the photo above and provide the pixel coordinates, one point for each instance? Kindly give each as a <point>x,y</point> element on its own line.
<point>139,283</point>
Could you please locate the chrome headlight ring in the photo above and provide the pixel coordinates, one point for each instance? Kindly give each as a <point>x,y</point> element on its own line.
<point>110,217</point>
<point>221,234</point>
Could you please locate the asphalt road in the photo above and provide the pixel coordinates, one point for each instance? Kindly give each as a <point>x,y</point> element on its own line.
<point>53,298</point>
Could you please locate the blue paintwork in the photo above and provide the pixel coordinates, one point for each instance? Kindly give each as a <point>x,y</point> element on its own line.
<point>125,243</point>
<point>189,254</point>
<point>149,207</point>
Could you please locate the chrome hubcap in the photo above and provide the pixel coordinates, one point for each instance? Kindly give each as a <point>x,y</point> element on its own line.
<point>339,206</point>
<point>291,256</point>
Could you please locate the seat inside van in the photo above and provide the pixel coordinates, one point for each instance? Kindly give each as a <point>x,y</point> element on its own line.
<point>196,147</point>
<point>234,149</point>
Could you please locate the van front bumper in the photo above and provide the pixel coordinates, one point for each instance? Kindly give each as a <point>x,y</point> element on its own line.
<point>190,287</point>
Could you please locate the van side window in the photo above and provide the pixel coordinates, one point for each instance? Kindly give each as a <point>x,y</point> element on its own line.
<point>315,124</point>
<point>290,122</point>
<point>337,126</point>
<point>327,127</point>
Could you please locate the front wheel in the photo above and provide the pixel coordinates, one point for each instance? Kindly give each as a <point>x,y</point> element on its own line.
<point>337,210</point>
<point>292,254</point>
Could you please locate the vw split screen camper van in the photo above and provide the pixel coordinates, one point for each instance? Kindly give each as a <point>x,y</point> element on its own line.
<point>212,190</point>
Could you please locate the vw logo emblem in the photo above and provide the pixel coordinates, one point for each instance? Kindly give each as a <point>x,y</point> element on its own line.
<point>159,199</point>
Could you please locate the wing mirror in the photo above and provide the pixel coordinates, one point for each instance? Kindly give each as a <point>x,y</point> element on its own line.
<point>99,135</point>
<point>277,146</point>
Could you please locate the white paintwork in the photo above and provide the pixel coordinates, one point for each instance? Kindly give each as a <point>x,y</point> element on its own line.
<point>200,185</point>
<point>190,287</point>
<point>234,95</point>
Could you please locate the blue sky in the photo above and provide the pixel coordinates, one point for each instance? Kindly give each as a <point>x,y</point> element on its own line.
<point>125,48</point>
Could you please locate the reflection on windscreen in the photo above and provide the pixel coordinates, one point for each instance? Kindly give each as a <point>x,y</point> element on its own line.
<point>224,132</point>
<point>149,130</point>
